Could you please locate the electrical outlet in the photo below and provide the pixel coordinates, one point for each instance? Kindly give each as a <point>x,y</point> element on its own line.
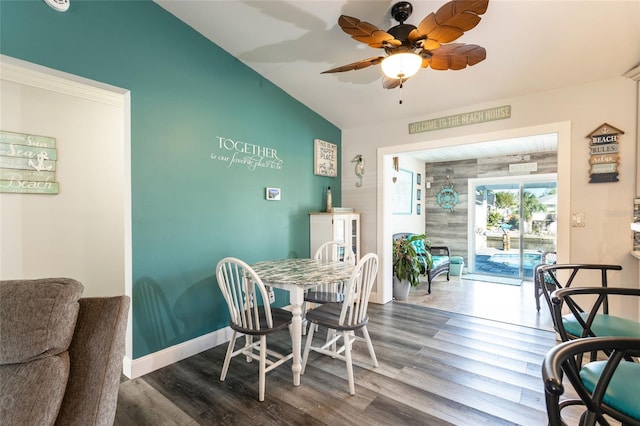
<point>272,295</point>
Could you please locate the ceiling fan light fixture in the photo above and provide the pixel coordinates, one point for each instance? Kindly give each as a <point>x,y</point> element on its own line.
<point>401,65</point>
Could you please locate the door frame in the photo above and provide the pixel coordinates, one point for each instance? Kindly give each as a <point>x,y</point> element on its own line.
<point>473,183</point>
<point>31,74</point>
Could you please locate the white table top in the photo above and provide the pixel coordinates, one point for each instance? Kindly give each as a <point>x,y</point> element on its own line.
<point>302,271</point>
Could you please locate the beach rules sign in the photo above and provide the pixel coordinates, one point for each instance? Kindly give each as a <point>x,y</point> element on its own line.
<point>604,148</point>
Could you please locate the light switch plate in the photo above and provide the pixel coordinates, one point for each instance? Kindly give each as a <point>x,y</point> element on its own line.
<point>578,219</point>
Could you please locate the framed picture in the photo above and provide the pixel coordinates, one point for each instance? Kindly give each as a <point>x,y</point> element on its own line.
<point>272,194</point>
<point>418,180</point>
<point>419,194</point>
<point>325,158</point>
<point>418,209</point>
<point>402,196</point>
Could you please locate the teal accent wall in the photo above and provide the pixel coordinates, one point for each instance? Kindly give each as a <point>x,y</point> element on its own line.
<point>189,210</point>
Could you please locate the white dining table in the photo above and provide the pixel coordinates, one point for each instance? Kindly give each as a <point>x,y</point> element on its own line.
<point>296,276</point>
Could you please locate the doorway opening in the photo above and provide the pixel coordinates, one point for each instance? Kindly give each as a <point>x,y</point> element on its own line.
<point>475,298</point>
<point>512,224</point>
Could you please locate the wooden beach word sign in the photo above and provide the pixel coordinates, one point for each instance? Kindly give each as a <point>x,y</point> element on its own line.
<point>465,119</point>
<point>28,164</point>
<point>604,148</point>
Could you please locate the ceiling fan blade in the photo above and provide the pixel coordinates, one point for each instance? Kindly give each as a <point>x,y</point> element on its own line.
<point>424,28</point>
<point>429,44</point>
<point>450,21</point>
<point>365,32</point>
<point>462,14</point>
<point>356,65</point>
<point>455,56</point>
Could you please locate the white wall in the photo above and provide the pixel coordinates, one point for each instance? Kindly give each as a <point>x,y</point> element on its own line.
<point>78,233</point>
<point>413,222</point>
<point>575,112</point>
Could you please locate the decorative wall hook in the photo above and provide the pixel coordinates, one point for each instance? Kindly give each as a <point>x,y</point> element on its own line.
<point>359,160</point>
<point>396,167</point>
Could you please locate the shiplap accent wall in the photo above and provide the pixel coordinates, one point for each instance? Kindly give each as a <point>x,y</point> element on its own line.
<point>444,227</point>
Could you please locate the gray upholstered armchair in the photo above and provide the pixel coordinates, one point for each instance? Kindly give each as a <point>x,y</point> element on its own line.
<point>60,355</point>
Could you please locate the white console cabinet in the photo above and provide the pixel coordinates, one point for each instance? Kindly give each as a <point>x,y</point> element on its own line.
<point>334,227</point>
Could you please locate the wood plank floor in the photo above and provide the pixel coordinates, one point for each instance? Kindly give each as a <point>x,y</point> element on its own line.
<point>506,303</point>
<point>436,368</point>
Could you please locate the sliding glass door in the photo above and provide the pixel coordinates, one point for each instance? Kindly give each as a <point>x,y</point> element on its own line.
<point>512,224</point>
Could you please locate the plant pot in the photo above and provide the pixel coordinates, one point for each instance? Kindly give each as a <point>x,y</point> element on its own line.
<point>401,289</point>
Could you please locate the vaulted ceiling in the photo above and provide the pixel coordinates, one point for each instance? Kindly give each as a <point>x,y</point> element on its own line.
<point>532,46</point>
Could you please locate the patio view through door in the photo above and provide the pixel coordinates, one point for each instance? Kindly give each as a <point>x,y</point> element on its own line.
<point>513,223</point>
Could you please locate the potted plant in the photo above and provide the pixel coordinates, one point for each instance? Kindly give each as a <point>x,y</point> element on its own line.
<point>409,253</point>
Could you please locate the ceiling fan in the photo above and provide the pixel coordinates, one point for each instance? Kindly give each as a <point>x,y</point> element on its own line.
<point>409,47</point>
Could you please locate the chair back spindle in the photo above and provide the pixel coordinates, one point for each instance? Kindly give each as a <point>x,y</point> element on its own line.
<point>358,291</point>
<point>240,285</point>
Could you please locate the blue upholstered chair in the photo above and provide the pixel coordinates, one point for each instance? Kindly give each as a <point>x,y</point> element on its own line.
<point>434,260</point>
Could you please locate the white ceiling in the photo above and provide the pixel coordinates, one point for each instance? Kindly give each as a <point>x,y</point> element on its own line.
<point>532,46</point>
<point>500,148</point>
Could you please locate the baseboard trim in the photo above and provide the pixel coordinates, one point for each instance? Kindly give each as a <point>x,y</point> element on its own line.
<point>148,363</point>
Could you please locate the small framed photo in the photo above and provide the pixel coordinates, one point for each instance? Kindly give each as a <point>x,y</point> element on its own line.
<point>272,194</point>
<point>419,194</point>
<point>418,209</point>
<point>325,158</point>
<point>419,179</point>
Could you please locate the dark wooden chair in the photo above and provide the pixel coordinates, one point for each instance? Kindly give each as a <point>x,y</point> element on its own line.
<point>589,313</point>
<point>547,279</point>
<point>604,387</point>
<point>547,258</point>
<point>441,258</point>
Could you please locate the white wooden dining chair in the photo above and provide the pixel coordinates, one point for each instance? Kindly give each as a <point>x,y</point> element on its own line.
<point>334,251</point>
<point>251,315</point>
<point>346,318</point>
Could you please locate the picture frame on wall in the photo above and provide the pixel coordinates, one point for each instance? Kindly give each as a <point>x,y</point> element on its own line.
<point>402,195</point>
<point>419,194</point>
<point>418,179</point>
<point>325,158</point>
<point>272,194</point>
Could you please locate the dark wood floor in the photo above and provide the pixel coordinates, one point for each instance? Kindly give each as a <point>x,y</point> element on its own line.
<point>436,368</point>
